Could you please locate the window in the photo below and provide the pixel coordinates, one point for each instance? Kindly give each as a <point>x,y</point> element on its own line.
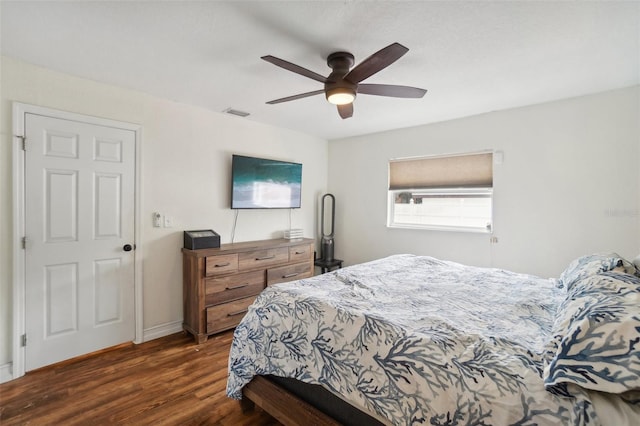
<point>451,192</point>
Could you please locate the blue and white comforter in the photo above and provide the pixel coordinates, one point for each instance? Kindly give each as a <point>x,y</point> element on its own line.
<point>413,340</point>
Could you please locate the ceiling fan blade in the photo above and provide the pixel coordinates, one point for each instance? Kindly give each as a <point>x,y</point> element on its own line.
<point>295,68</point>
<point>346,110</point>
<point>294,97</point>
<point>376,62</point>
<point>391,90</point>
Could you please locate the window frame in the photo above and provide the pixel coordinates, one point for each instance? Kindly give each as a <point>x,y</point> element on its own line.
<point>485,191</point>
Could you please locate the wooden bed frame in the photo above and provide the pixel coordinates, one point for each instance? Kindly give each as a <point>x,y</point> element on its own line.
<point>281,404</point>
<point>295,403</point>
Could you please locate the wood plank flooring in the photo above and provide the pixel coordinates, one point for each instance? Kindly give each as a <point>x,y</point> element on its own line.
<point>167,381</point>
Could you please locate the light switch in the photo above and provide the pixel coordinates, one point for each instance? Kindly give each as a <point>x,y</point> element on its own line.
<point>168,221</point>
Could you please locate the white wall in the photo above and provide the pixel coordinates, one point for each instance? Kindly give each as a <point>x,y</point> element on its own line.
<point>186,154</point>
<point>569,185</point>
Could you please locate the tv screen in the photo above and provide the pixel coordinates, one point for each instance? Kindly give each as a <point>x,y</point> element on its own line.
<point>259,183</point>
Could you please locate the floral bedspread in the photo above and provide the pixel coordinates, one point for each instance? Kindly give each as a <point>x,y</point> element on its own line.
<point>413,340</point>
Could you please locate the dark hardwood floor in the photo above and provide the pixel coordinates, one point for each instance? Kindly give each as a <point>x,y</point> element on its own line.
<point>167,381</point>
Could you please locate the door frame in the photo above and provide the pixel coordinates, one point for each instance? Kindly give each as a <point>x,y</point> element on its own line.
<point>19,220</point>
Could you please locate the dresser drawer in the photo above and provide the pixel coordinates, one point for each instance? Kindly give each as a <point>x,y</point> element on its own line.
<point>221,264</point>
<point>260,258</point>
<point>222,289</point>
<point>300,253</point>
<point>228,315</point>
<point>289,273</point>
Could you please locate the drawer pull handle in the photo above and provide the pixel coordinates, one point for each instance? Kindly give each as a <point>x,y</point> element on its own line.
<point>300,252</point>
<point>233,314</point>
<point>237,286</point>
<point>290,275</point>
<point>222,265</point>
<point>266,257</point>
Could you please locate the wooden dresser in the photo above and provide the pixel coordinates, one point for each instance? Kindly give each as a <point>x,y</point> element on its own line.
<point>220,283</point>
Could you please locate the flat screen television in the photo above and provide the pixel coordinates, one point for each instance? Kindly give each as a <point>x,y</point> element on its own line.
<point>260,183</point>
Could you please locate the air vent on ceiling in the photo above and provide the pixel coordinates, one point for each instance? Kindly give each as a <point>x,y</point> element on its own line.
<point>236,112</point>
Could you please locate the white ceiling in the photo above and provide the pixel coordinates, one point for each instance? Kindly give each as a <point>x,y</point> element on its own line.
<point>472,56</point>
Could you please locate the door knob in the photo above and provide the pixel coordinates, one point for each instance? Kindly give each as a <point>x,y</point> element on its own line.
<point>127,247</point>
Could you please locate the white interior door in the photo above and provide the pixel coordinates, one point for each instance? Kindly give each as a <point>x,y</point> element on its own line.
<point>79,219</point>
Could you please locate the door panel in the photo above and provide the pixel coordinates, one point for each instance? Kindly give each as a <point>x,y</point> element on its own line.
<point>61,296</point>
<point>61,217</point>
<point>107,295</point>
<point>79,208</point>
<point>107,205</point>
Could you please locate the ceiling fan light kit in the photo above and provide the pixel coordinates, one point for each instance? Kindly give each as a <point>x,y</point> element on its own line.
<point>342,85</point>
<point>340,95</point>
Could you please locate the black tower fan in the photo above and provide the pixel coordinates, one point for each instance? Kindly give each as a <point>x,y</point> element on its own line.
<point>327,237</point>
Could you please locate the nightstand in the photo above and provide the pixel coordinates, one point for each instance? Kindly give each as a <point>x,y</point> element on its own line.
<point>327,265</point>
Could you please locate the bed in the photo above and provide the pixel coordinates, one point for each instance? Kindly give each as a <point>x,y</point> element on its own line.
<point>416,340</point>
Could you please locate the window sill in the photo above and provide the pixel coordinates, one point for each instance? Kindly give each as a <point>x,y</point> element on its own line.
<point>440,228</point>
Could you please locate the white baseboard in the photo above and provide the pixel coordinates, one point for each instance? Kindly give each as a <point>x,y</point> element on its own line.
<point>6,372</point>
<point>161,330</point>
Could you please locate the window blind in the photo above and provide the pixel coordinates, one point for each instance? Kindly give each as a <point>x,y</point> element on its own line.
<point>465,170</point>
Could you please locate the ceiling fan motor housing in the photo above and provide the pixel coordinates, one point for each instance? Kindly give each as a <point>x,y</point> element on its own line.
<point>340,63</point>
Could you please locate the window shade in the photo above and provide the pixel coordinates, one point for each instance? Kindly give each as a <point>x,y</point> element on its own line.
<point>467,170</point>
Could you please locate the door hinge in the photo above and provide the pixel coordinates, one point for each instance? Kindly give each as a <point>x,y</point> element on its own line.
<point>24,340</point>
<point>23,143</point>
<point>24,243</point>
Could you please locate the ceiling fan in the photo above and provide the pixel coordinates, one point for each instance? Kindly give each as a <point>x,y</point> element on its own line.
<point>342,85</point>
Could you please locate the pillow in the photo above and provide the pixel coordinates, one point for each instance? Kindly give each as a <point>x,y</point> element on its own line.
<point>590,265</point>
<point>596,336</point>
<point>626,268</point>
